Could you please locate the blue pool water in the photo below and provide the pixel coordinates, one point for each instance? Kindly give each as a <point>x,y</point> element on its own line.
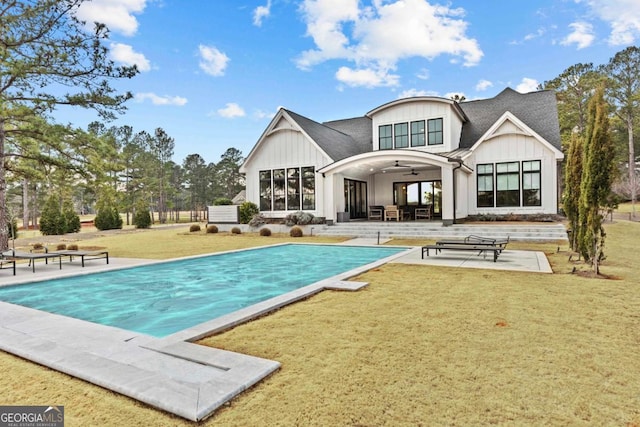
<point>164,298</point>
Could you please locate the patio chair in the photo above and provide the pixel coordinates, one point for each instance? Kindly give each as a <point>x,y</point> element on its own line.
<point>375,213</point>
<point>392,212</point>
<point>423,213</point>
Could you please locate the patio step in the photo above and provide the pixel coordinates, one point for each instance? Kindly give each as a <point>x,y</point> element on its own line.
<point>435,230</point>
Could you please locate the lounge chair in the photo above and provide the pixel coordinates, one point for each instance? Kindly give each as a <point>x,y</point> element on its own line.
<point>83,255</point>
<point>14,255</point>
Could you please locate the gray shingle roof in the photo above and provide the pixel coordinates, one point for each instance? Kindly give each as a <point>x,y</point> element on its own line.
<point>332,136</point>
<point>538,110</point>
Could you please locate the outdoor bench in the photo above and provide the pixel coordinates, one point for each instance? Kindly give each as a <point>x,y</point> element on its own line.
<point>480,248</point>
<point>84,255</point>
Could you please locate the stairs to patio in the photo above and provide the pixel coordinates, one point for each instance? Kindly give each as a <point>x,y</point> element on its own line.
<point>435,230</point>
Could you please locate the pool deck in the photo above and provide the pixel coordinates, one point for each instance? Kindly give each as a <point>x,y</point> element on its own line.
<point>172,373</point>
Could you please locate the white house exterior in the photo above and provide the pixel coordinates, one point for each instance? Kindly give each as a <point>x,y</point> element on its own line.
<point>492,156</point>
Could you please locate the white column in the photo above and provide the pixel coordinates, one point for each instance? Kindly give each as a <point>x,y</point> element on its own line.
<point>447,195</point>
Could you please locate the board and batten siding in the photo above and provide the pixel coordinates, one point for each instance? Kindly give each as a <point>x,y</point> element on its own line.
<point>285,148</point>
<point>511,145</point>
<point>421,110</point>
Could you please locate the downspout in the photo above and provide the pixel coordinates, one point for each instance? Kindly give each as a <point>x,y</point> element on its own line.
<point>459,161</point>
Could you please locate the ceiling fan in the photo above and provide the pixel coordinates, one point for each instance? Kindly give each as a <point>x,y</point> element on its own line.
<point>413,172</point>
<point>398,165</point>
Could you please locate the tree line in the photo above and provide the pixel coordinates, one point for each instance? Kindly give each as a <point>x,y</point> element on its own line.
<point>49,60</point>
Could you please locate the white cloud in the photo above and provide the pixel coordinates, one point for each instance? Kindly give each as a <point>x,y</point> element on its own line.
<point>622,15</point>
<point>231,111</point>
<point>124,54</point>
<point>260,13</point>
<point>375,38</point>
<point>117,15</point>
<point>259,114</point>
<point>483,85</point>
<point>527,85</point>
<point>582,35</point>
<point>212,61</point>
<point>410,93</point>
<point>366,77</point>
<point>160,100</point>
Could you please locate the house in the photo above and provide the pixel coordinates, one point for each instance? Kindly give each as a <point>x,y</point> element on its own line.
<point>492,156</point>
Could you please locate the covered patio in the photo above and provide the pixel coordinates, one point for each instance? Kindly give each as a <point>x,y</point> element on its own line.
<point>421,186</point>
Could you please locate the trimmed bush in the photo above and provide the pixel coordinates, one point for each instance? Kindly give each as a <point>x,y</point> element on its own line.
<point>72,247</point>
<point>222,201</point>
<point>194,228</point>
<point>236,230</point>
<point>212,229</point>
<point>108,218</point>
<point>257,220</point>
<point>61,247</point>
<point>37,246</point>
<point>298,218</point>
<point>265,232</point>
<point>247,211</point>
<point>295,232</point>
<point>70,218</point>
<point>51,219</point>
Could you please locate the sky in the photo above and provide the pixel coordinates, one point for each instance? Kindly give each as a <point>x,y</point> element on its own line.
<point>213,73</point>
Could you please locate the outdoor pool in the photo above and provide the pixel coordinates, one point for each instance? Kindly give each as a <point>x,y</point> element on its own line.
<point>163,298</point>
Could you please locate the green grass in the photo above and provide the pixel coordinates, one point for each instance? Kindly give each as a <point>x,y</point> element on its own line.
<point>421,345</point>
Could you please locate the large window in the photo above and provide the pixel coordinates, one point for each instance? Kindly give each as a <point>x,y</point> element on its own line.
<point>402,135</point>
<point>308,188</point>
<point>485,186</point>
<point>279,190</point>
<point>385,137</point>
<point>417,134</point>
<point>265,190</point>
<point>435,132</point>
<point>419,193</point>
<point>531,186</point>
<point>508,184</point>
<point>292,189</point>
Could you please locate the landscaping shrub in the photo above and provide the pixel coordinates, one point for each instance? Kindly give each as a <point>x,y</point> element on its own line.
<point>72,247</point>
<point>222,201</point>
<point>61,247</point>
<point>295,232</point>
<point>71,220</point>
<point>37,246</point>
<point>298,218</point>
<point>236,230</point>
<point>212,229</point>
<point>257,220</point>
<point>194,228</point>
<point>265,232</point>
<point>247,211</point>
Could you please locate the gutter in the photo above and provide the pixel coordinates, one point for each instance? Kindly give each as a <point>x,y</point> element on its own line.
<point>460,163</point>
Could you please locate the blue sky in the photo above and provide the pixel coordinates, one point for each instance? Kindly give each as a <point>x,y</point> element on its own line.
<point>214,72</point>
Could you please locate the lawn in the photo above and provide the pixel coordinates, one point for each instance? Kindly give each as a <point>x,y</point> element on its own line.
<point>421,345</point>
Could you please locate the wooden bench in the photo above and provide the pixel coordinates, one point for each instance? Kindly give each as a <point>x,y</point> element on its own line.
<point>482,248</point>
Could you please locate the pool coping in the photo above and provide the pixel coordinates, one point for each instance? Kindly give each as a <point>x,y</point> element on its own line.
<point>170,373</point>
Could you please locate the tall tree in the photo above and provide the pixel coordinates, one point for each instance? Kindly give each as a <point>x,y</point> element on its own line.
<point>162,148</point>
<point>44,51</point>
<point>597,173</point>
<point>623,71</point>
<point>571,193</point>
<point>196,180</point>
<point>574,87</point>
<point>228,174</point>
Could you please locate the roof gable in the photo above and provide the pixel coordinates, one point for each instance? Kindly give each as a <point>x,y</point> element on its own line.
<point>537,110</point>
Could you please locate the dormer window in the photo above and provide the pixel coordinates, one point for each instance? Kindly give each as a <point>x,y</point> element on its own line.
<point>435,132</point>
